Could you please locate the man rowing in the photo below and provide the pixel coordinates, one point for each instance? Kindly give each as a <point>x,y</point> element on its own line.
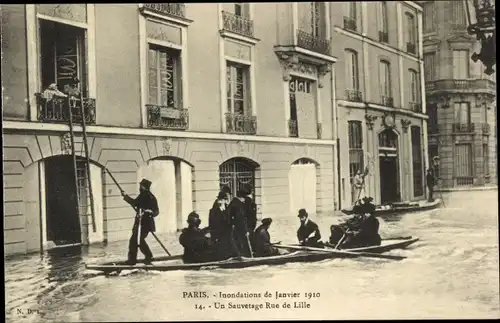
<point>308,233</point>
<point>262,240</point>
<point>197,245</point>
<point>146,207</point>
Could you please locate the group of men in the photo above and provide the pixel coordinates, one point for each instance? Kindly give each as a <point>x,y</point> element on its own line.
<point>232,230</point>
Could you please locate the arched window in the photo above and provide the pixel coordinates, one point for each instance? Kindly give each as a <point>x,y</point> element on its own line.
<point>237,172</point>
<point>388,139</point>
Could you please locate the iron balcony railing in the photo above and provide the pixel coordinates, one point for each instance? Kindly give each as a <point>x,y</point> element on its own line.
<point>56,109</point>
<point>312,42</point>
<point>463,127</point>
<point>383,36</point>
<point>464,180</point>
<point>486,128</point>
<point>237,24</point>
<point>350,23</point>
<point>293,129</point>
<point>354,95</point>
<point>415,107</point>
<point>411,48</point>
<point>387,101</point>
<point>463,84</point>
<point>173,9</point>
<point>163,117</point>
<point>241,124</point>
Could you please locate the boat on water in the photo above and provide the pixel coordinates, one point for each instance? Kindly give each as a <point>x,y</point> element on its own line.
<point>294,254</point>
<point>396,208</point>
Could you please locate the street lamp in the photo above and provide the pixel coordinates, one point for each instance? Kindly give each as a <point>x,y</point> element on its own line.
<point>481,21</point>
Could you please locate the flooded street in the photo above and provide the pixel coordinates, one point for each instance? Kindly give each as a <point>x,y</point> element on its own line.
<point>452,272</point>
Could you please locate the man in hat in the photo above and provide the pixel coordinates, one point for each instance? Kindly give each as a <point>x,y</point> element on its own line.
<point>430,181</point>
<point>251,208</point>
<point>146,207</point>
<point>238,214</point>
<point>262,240</point>
<point>220,228</point>
<point>308,232</point>
<point>197,246</point>
<point>226,191</point>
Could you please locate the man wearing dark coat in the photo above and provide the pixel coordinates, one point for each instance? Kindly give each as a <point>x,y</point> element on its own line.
<point>308,232</point>
<point>146,207</point>
<point>227,192</point>
<point>238,215</point>
<point>362,229</point>
<point>220,228</point>
<point>197,246</point>
<point>430,181</point>
<point>262,240</point>
<point>251,208</point>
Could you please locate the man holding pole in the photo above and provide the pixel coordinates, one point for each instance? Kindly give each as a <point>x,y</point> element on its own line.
<point>146,207</point>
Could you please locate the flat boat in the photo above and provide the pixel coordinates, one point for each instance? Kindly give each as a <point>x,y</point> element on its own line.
<point>398,208</point>
<point>173,263</point>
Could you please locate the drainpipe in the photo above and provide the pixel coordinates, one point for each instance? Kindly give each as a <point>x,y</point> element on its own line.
<point>335,135</point>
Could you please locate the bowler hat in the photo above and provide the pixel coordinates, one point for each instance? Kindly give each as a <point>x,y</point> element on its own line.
<point>267,221</point>
<point>222,195</point>
<point>145,183</point>
<point>226,189</point>
<point>302,213</point>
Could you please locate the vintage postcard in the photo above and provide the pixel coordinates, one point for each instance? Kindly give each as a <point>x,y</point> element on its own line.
<point>250,161</point>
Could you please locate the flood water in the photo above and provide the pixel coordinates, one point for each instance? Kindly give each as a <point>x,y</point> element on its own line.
<point>453,272</point>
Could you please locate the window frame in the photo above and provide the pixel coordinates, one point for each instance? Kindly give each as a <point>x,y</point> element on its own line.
<point>385,69</point>
<point>231,70</point>
<point>459,112</point>
<point>383,16</point>
<point>429,21</point>
<point>410,28</point>
<point>352,69</point>
<point>414,86</point>
<point>177,79</point>
<point>355,146</point>
<point>430,70</point>
<point>458,61</point>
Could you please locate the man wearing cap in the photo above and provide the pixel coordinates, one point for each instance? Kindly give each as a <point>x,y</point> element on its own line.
<point>197,246</point>
<point>238,215</point>
<point>220,228</point>
<point>146,206</point>
<point>308,232</point>
<point>262,240</point>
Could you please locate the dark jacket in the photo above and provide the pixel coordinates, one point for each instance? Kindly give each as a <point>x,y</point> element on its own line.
<point>366,235</point>
<point>237,215</point>
<point>144,201</point>
<point>305,231</point>
<point>262,242</point>
<point>197,247</point>
<point>219,223</point>
<point>251,213</point>
<point>430,180</point>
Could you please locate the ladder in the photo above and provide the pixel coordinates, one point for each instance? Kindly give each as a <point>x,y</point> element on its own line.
<point>81,168</point>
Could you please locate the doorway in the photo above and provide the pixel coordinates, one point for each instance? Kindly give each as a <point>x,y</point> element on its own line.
<point>389,167</point>
<point>62,214</point>
<point>302,185</point>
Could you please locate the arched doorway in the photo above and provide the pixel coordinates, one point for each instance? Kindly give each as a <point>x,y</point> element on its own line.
<point>237,172</point>
<point>66,206</point>
<point>389,167</point>
<point>171,180</point>
<point>303,182</point>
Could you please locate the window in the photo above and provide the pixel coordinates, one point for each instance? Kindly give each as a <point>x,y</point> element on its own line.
<point>352,70</point>
<point>311,16</point>
<point>429,66</point>
<point>428,17</point>
<point>164,76</point>
<point>351,16</point>
<point>410,29</point>
<point>414,86</point>
<point>63,56</point>
<point>383,17</point>
<point>355,136</point>
<point>296,85</point>
<point>236,173</point>
<point>460,64</point>
<point>463,164</point>
<point>418,187</point>
<point>238,9</point>
<point>462,113</point>
<point>385,79</point>
<point>238,90</point>
<point>458,14</point>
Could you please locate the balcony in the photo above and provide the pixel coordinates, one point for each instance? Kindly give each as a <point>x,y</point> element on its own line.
<point>350,24</point>
<point>486,128</point>
<point>293,128</point>
<point>57,109</point>
<point>237,24</point>
<point>171,9</point>
<point>387,101</point>
<point>468,85</point>
<point>313,43</point>
<point>163,117</point>
<point>415,107</point>
<point>383,36</point>
<point>354,95</point>
<point>241,124</point>
<point>411,48</point>
<point>463,128</point>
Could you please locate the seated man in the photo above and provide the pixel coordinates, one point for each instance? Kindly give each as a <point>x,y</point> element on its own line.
<point>197,246</point>
<point>308,232</point>
<point>262,240</point>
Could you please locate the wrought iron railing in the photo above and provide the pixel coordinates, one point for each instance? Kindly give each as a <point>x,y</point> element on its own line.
<point>293,129</point>
<point>163,117</point>
<point>383,36</point>
<point>415,107</point>
<point>241,124</point>
<point>354,95</point>
<point>486,128</point>
<point>350,23</point>
<point>464,180</point>
<point>57,109</point>
<point>314,43</point>
<point>469,84</point>
<point>173,9</point>
<point>237,24</point>
<point>463,127</point>
<point>387,101</point>
<point>411,48</point>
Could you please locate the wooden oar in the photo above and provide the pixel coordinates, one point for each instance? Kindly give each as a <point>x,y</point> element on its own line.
<point>343,252</point>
